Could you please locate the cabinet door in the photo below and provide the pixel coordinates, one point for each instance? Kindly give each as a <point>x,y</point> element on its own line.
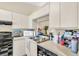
<point>27,46</point>
<point>78,14</point>
<point>18,47</point>
<point>5,15</point>
<point>54,15</point>
<point>68,14</point>
<point>20,21</point>
<point>33,48</point>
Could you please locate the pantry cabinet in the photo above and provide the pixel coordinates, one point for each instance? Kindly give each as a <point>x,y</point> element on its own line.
<point>54,16</point>
<point>5,15</point>
<point>20,21</point>
<point>68,12</point>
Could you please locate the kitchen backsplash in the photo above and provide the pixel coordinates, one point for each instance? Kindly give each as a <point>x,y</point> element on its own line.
<point>17,32</point>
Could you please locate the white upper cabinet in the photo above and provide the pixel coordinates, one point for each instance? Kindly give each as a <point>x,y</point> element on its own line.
<point>78,14</point>
<point>68,14</point>
<point>5,15</point>
<point>54,15</point>
<point>20,21</point>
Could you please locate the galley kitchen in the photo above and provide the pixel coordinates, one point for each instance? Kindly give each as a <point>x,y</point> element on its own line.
<point>39,29</point>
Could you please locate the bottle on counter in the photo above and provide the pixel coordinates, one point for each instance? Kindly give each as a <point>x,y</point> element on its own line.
<point>59,37</point>
<point>51,36</point>
<point>74,45</point>
<point>62,40</point>
<point>55,39</point>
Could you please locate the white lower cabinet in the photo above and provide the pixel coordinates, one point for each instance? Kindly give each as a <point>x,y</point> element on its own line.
<point>30,47</point>
<point>19,46</point>
<point>33,48</point>
<point>24,46</point>
<point>27,46</point>
<point>54,16</point>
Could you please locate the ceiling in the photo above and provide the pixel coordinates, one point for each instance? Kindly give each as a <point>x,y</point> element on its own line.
<point>22,7</point>
<point>38,4</point>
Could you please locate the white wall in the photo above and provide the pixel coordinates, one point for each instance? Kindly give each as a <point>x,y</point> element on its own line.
<point>30,22</point>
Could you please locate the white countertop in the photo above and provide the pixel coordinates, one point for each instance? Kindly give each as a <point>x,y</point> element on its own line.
<point>18,38</point>
<point>56,48</point>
